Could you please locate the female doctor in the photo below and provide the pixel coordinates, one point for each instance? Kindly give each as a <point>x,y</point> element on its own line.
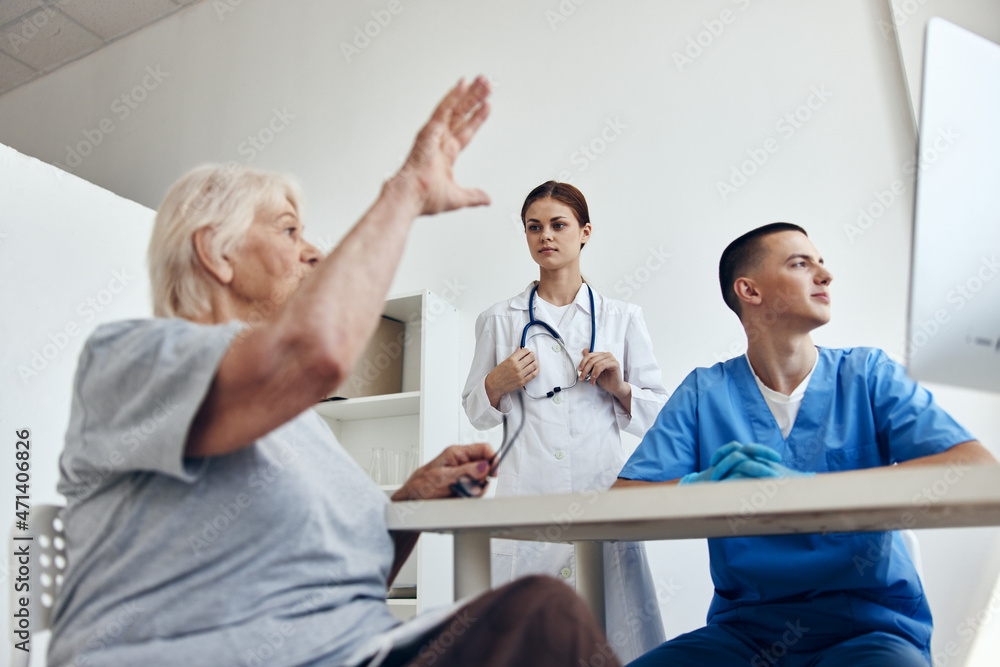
<point>585,368</point>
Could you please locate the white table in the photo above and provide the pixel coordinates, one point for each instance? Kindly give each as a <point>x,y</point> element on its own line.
<point>871,500</point>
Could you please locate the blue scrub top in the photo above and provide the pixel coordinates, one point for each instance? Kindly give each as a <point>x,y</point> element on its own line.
<point>860,410</point>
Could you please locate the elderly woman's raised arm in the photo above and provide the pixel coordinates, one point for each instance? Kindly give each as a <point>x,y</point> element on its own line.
<point>283,365</point>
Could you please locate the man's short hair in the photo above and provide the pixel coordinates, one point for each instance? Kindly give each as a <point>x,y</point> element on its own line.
<point>745,254</point>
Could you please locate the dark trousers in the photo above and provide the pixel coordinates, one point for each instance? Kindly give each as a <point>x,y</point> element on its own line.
<point>724,644</point>
<point>535,620</point>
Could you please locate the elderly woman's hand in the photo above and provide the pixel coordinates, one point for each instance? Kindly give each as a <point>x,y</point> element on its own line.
<point>435,479</point>
<point>427,171</point>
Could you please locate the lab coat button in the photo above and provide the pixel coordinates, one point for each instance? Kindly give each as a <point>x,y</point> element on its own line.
<point>566,573</point>
<point>555,347</point>
<point>560,455</point>
<point>557,399</point>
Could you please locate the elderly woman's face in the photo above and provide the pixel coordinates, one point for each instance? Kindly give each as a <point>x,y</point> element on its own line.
<point>274,257</point>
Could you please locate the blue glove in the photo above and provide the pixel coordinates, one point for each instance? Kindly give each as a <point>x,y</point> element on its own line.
<point>729,460</point>
<point>758,469</point>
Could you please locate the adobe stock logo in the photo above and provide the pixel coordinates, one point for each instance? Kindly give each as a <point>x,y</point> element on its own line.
<point>698,43</point>
<point>28,29</point>
<point>122,107</point>
<point>883,200</point>
<point>39,358</point>
<point>363,35</point>
<point>787,126</point>
<point>587,153</point>
<point>634,280</point>
<point>256,143</point>
<point>563,11</point>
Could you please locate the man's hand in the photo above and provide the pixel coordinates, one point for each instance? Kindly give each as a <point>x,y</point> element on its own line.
<point>428,169</point>
<point>434,479</point>
<point>739,461</point>
<point>512,373</point>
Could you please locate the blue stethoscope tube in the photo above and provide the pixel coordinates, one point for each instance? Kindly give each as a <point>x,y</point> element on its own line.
<point>535,322</point>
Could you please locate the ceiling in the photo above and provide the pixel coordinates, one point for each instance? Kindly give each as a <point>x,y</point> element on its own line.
<point>40,36</point>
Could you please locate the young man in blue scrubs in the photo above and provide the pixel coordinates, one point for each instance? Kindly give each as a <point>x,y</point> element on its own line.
<point>788,408</point>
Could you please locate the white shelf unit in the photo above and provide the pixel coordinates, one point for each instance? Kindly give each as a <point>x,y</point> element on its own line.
<point>422,419</point>
<point>402,608</point>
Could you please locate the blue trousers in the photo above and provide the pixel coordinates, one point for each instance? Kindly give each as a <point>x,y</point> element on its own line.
<point>725,644</point>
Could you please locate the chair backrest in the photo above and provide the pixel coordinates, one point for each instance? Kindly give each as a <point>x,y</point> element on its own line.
<point>45,544</point>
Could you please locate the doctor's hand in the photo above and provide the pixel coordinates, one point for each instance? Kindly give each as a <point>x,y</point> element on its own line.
<point>734,461</point>
<point>434,479</point>
<point>512,373</point>
<point>427,173</point>
<point>602,369</point>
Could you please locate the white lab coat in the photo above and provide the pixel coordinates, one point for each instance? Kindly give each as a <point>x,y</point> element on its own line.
<point>571,443</point>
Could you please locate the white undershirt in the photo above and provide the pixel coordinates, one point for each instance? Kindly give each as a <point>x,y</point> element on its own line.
<point>556,311</point>
<point>784,408</point>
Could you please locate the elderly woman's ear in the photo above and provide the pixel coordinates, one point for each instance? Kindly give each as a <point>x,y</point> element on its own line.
<point>218,266</point>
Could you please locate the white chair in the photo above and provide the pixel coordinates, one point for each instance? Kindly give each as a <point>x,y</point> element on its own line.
<point>46,564</point>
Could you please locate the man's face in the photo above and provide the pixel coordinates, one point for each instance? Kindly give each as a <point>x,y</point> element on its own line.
<point>793,283</point>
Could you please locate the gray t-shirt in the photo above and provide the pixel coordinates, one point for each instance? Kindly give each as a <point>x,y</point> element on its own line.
<point>276,554</point>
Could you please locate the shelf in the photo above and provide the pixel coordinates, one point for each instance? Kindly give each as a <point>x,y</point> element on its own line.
<point>371,407</point>
<point>418,422</point>
<point>403,609</point>
<point>405,308</point>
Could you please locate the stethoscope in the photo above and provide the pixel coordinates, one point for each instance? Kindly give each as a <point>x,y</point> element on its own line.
<point>532,322</point>
<point>468,487</point>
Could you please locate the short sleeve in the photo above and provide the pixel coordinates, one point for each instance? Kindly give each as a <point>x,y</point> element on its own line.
<point>138,386</point>
<point>908,420</point>
<point>670,447</point>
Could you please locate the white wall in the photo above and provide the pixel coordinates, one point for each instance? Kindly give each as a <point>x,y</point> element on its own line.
<point>909,19</point>
<point>71,258</point>
<point>664,135</point>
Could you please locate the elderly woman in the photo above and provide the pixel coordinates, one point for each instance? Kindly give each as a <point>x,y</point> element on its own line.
<point>212,518</point>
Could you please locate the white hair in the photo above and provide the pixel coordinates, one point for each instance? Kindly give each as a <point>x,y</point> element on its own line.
<point>224,198</point>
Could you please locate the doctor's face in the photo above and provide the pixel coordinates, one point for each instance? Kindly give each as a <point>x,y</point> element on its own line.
<point>793,281</point>
<point>554,233</point>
